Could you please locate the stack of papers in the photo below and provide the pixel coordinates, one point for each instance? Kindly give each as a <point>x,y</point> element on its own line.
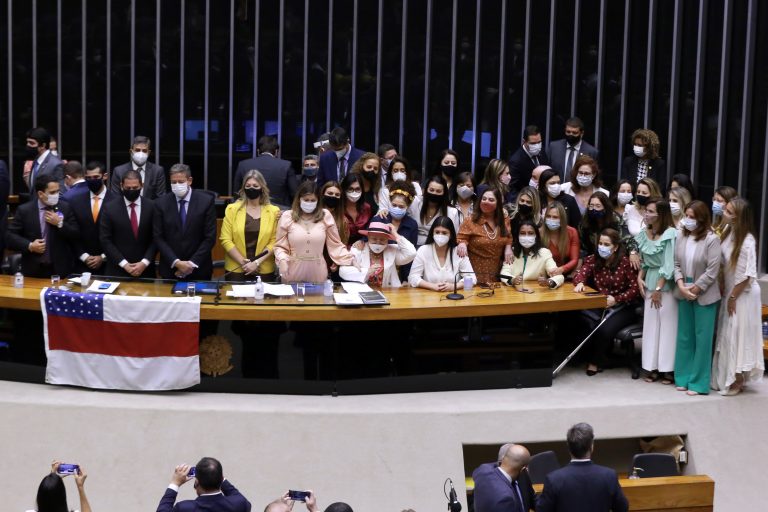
<point>347,299</point>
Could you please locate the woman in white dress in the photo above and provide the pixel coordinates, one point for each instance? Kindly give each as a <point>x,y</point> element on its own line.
<point>739,346</point>
<point>437,265</point>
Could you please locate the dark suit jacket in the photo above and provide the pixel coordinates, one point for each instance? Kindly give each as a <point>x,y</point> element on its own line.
<point>154,179</point>
<point>51,165</point>
<point>78,189</point>
<point>329,162</point>
<point>194,242</point>
<point>582,487</point>
<point>657,170</point>
<point>280,177</point>
<point>88,241</point>
<point>494,493</point>
<point>520,168</point>
<point>5,187</point>
<point>556,154</point>
<point>117,238</point>
<point>25,228</point>
<point>230,500</point>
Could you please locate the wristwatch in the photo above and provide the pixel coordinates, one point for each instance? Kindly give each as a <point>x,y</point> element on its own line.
<point>658,289</point>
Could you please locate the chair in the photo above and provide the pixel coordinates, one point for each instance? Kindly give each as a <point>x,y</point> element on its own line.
<point>626,339</point>
<point>655,464</point>
<point>541,465</point>
<point>12,264</point>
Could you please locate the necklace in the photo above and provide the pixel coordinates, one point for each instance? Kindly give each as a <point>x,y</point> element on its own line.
<point>491,234</point>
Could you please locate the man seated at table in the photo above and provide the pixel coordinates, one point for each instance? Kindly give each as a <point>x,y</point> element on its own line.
<point>505,486</point>
<point>185,228</point>
<point>213,491</point>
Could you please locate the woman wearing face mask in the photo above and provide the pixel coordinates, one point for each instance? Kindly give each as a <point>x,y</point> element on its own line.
<point>356,211</point>
<point>738,349</point>
<point>585,181</point>
<point>486,237</point>
<point>608,271</point>
<point>526,207</point>
<point>399,173</point>
<point>634,213</point>
<point>367,167</point>
<point>249,228</point>
<point>657,247</point>
<point>464,195</point>
<point>623,194</point>
<point>723,195</point>
<point>697,265</point>
<point>437,263</point>
<point>302,233</point>
<point>678,199</point>
<point>432,204</point>
<point>561,239</point>
<point>400,198</point>
<point>532,261</point>
<point>330,195</point>
<point>497,176</point>
<point>645,162</point>
<point>447,167</point>
<point>550,191</point>
<point>379,259</point>
<point>600,215</point>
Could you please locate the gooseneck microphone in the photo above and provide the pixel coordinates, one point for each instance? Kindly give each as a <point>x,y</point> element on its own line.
<point>453,502</point>
<point>456,295</point>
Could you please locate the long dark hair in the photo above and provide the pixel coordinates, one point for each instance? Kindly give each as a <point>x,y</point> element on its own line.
<point>404,162</point>
<point>544,177</point>
<point>347,182</point>
<point>460,179</point>
<point>442,206</point>
<point>437,170</point>
<point>443,222</point>
<point>477,213</point>
<point>52,495</point>
<point>683,180</point>
<point>663,211</point>
<point>607,219</point>
<point>615,237</point>
<point>517,249</point>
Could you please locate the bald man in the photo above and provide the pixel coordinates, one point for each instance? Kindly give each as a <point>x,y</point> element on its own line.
<point>505,486</point>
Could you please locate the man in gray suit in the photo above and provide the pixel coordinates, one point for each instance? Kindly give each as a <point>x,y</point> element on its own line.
<point>152,175</point>
<point>40,160</point>
<point>564,152</point>
<point>278,173</point>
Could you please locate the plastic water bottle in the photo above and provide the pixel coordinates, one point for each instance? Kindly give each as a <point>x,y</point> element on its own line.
<point>259,289</point>
<point>328,290</point>
<point>467,283</point>
<point>18,282</point>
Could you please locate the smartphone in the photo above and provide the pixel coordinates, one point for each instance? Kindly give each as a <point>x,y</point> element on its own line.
<point>68,469</point>
<point>191,471</point>
<point>103,286</point>
<point>299,495</point>
<point>592,294</point>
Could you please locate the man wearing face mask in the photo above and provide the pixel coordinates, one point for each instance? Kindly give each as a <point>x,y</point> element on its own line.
<point>86,208</point>
<point>281,179</point>
<point>185,228</point>
<point>152,175</point>
<point>310,166</point>
<point>387,152</point>
<point>528,156</point>
<point>127,231</point>
<point>40,160</point>
<point>645,161</point>
<point>563,153</point>
<point>336,164</point>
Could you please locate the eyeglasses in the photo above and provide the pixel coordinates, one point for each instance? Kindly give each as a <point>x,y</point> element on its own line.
<point>490,287</point>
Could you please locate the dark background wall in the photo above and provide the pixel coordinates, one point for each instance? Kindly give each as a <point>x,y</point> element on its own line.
<point>198,75</point>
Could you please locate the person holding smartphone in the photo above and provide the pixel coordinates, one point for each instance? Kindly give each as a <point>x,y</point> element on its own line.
<point>52,494</point>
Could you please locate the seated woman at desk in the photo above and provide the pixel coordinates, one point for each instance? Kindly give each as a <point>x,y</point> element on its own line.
<point>486,237</point>
<point>248,229</point>
<point>378,260</point>
<point>302,233</point>
<point>437,264</point>
<point>533,262</point>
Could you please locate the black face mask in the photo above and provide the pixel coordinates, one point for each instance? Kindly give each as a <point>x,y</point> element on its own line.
<point>370,176</point>
<point>448,170</point>
<point>434,198</point>
<point>131,195</point>
<point>596,215</point>
<point>30,153</point>
<point>253,193</point>
<point>331,201</point>
<point>94,184</point>
<point>525,209</point>
<point>572,140</point>
<point>642,200</point>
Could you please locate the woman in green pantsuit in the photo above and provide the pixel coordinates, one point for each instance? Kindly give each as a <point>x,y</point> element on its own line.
<point>697,265</point>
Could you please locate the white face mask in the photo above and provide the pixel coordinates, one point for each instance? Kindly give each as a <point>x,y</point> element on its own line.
<point>308,206</point>
<point>354,196</point>
<point>54,152</point>
<point>441,240</point>
<point>399,176</point>
<point>52,199</point>
<point>527,241</point>
<point>180,189</point>
<point>533,183</point>
<point>624,197</point>
<point>534,149</point>
<point>506,178</point>
<point>340,153</point>
<point>377,248</point>
<point>553,190</point>
<point>464,191</point>
<point>690,224</point>
<point>140,158</point>
<point>674,208</point>
<point>584,181</point>
<point>639,151</point>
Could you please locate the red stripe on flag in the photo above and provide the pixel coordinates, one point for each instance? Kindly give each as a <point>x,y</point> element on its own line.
<point>171,339</point>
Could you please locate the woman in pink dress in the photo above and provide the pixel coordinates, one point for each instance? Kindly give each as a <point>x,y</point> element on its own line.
<point>302,232</point>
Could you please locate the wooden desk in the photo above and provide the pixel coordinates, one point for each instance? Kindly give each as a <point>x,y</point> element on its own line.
<point>405,303</point>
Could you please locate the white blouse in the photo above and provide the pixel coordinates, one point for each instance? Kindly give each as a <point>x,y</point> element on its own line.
<point>634,219</point>
<point>567,187</point>
<point>384,194</point>
<point>415,212</point>
<point>426,267</point>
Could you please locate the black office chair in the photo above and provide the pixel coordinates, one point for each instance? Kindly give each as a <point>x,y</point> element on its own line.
<point>11,264</point>
<point>541,465</point>
<point>654,465</point>
<point>626,339</point>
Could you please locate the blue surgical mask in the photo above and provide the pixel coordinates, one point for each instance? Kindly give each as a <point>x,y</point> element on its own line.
<point>397,212</point>
<point>604,251</point>
<point>553,224</point>
<point>717,208</point>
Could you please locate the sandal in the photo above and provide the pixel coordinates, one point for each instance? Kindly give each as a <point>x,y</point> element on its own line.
<point>668,379</point>
<point>681,388</point>
<point>651,376</point>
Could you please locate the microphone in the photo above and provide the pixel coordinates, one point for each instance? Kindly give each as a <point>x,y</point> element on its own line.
<point>453,502</point>
<point>217,298</point>
<point>455,295</point>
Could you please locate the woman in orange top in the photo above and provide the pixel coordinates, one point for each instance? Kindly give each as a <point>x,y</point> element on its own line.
<point>561,239</point>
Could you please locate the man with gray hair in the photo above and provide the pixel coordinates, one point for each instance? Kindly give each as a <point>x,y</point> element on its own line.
<point>504,486</point>
<point>582,486</point>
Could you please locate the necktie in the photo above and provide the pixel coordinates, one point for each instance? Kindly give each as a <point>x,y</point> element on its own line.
<point>44,234</point>
<point>342,168</point>
<point>536,161</point>
<point>141,171</point>
<point>182,213</point>
<point>95,208</point>
<point>569,163</point>
<point>517,498</point>
<point>35,165</point>
<point>134,221</point>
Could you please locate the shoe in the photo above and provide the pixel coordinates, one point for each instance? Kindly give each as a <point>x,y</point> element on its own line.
<point>592,373</point>
<point>668,379</point>
<point>652,377</point>
<point>691,392</point>
<point>682,388</point>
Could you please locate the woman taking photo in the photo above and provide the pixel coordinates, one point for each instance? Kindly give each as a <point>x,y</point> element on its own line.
<point>656,244</point>
<point>399,173</point>
<point>497,176</point>
<point>697,265</point>
<point>433,203</point>
<point>608,271</point>
<point>585,181</point>
<point>367,167</point>
<point>486,237</point>
<point>248,229</point>
<point>52,494</point>
<point>550,190</point>
<point>437,265</point>
<point>738,350</point>
<point>463,195</point>
<point>378,259</point>
<point>561,240</point>
<point>357,212</point>
<point>532,261</point>
<point>678,199</point>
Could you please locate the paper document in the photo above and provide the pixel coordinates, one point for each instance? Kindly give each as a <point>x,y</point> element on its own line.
<point>278,290</point>
<point>356,287</point>
<point>347,299</point>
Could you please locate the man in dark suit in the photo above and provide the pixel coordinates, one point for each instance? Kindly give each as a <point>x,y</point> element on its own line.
<point>337,163</point>
<point>41,230</point>
<point>645,162</point>
<point>527,157</point>
<point>505,486</point>
<point>152,175</point>
<point>582,486</point>
<point>563,153</point>
<point>127,230</point>
<point>86,208</point>
<point>278,173</point>
<point>74,180</point>
<point>185,228</point>
<point>213,492</point>
<point>41,158</point>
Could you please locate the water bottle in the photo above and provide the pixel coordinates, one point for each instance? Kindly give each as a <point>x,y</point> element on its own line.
<point>18,281</point>
<point>328,290</point>
<point>259,289</point>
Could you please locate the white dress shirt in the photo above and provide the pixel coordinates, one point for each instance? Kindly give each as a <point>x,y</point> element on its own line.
<point>426,267</point>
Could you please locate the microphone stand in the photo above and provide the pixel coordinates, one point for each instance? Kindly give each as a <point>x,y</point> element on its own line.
<point>217,298</point>
<point>455,295</point>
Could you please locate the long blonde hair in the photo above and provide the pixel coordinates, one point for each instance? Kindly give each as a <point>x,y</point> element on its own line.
<point>741,226</point>
<point>255,175</point>
<point>562,242</point>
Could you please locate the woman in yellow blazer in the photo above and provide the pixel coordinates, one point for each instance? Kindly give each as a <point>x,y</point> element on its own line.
<point>249,228</point>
